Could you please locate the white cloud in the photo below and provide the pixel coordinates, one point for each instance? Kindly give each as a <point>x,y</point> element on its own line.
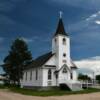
<point>96,58</point>
<point>86,24</point>
<point>92,64</point>
<point>97,22</point>
<point>93,16</point>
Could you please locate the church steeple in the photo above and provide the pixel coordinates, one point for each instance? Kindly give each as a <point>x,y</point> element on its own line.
<point>60,28</point>
<point>61,45</point>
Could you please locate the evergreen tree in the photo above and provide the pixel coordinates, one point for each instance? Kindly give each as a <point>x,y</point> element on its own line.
<point>15,62</point>
<point>98,78</point>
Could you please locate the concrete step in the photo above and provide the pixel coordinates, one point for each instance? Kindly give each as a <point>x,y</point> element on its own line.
<point>74,86</point>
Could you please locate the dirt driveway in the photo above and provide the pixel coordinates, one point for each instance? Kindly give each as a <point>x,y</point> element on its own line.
<point>6,95</point>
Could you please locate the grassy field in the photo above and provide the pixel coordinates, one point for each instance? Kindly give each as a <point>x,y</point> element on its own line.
<point>2,87</point>
<point>52,92</point>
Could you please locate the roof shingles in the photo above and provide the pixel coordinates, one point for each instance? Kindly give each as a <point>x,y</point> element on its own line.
<point>41,60</point>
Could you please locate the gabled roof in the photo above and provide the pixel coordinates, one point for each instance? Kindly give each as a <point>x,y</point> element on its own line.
<point>60,28</point>
<point>63,67</point>
<point>41,60</point>
<point>73,65</point>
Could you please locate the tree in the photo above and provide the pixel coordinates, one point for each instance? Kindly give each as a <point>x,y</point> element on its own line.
<point>15,62</point>
<point>98,78</point>
<point>83,77</point>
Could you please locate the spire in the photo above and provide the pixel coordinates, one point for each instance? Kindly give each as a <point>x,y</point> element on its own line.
<point>60,14</point>
<point>60,27</point>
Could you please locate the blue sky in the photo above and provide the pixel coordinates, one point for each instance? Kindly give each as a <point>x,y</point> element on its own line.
<point>36,22</point>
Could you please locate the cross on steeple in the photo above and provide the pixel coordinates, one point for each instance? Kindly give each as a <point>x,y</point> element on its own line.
<point>60,14</point>
<point>60,28</point>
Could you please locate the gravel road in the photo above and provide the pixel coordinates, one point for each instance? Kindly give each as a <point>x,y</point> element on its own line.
<point>6,95</point>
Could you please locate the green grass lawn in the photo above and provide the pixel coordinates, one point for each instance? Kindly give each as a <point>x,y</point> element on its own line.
<point>2,87</point>
<point>52,92</point>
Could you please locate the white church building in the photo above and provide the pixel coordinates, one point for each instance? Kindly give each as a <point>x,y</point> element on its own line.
<point>53,68</point>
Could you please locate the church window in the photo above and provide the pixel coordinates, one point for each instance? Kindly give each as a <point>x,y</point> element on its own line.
<point>64,41</point>
<point>49,74</point>
<point>64,61</point>
<point>36,74</point>
<point>71,75</point>
<point>31,75</point>
<point>64,55</point>
<point>55,40</point>
<point>26,76</point>
<point>64,70</point>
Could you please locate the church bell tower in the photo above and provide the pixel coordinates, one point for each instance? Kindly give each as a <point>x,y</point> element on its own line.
<point>61,45</point>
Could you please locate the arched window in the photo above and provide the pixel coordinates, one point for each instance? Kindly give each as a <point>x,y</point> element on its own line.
<point>64,70</point>
<point>31,75</point>
<point>49,74</point>
<point>55,40</point>
<point>26,76</point>
<point>71,75</point>
<point>64,41</point>
<point>36,74</point>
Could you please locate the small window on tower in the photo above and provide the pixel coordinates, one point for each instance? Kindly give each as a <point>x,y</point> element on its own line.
<point>64,61</point>
<point>55,40</point>
<point>64,41</point>
<point>64,55</point>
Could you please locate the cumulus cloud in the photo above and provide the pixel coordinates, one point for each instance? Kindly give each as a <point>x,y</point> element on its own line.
<point>91,64</point>
<point>97,22</point>
<point>93,16</point>
<point>86,23</point>
<point>88,30</point>
<point>96,58</point>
